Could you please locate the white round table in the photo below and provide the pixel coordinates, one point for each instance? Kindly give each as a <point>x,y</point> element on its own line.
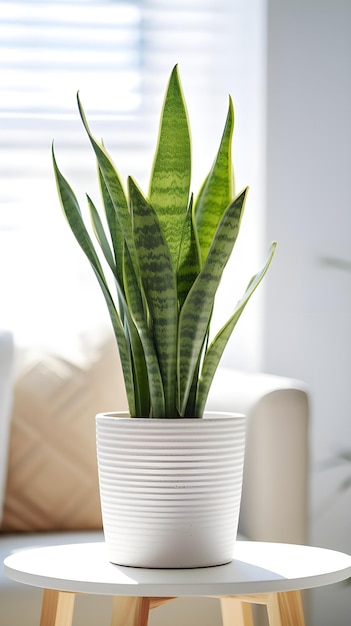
<point>264,573</point>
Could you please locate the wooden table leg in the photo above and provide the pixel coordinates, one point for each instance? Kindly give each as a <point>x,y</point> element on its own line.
<point>291,609</point>
<point>283,609</point>
<point>273,611</point>
<point>235,612</point>
<point>57,608</point>
<point>130,611</point>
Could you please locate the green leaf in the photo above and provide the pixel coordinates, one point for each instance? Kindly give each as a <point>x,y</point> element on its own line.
<point>190,410</point>
<point>74,217</point>
<point>101,235</point>
<point>188,263</point>
<point>217,346</point>
<point>114,229</point>
<point>159,284</point>
<point>170,179</point>
<point>140,375</point>
<point>197,310</point>
<point>150,379</point>
<point>73,214</point>
<point>113,185</point>
<point>218,189</point>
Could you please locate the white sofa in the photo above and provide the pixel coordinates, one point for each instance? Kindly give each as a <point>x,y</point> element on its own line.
<point>274,503</point>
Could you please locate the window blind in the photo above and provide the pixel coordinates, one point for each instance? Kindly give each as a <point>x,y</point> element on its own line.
<point>49,50</point>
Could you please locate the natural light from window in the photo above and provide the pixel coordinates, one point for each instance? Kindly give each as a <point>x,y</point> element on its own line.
<point>118,54</point>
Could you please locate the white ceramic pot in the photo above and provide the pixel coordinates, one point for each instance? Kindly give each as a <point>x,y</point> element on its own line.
<point>170,488</point>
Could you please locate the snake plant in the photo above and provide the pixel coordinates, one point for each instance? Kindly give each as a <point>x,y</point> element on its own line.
<point>166,253</point>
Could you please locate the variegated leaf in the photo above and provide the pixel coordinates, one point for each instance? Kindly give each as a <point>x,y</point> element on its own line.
<point>158,277</point>
<point>170,179</point>
<point>197,310</point>
<point>217,191</point>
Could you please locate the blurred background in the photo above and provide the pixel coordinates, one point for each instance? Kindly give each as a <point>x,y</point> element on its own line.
<point>287,65</point>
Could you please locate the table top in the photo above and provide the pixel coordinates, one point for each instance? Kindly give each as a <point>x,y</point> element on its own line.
<point>257,567</point>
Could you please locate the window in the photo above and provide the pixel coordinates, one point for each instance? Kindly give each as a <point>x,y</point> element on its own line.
<point>118,54</point>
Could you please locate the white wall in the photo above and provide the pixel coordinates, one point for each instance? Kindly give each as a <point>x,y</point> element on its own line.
<point>308,303</point>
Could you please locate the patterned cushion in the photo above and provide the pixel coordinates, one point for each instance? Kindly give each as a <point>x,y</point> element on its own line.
<point>52,472</point>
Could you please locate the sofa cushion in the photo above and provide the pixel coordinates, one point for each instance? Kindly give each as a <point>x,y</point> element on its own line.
<point>52,479</point>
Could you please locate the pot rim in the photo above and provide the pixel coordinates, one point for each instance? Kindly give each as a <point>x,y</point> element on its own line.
<point>207,416</point>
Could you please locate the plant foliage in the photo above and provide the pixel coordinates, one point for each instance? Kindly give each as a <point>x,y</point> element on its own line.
<point>166,254</point>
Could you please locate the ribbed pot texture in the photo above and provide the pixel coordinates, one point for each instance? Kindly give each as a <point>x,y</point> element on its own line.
<point>170,489</point>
